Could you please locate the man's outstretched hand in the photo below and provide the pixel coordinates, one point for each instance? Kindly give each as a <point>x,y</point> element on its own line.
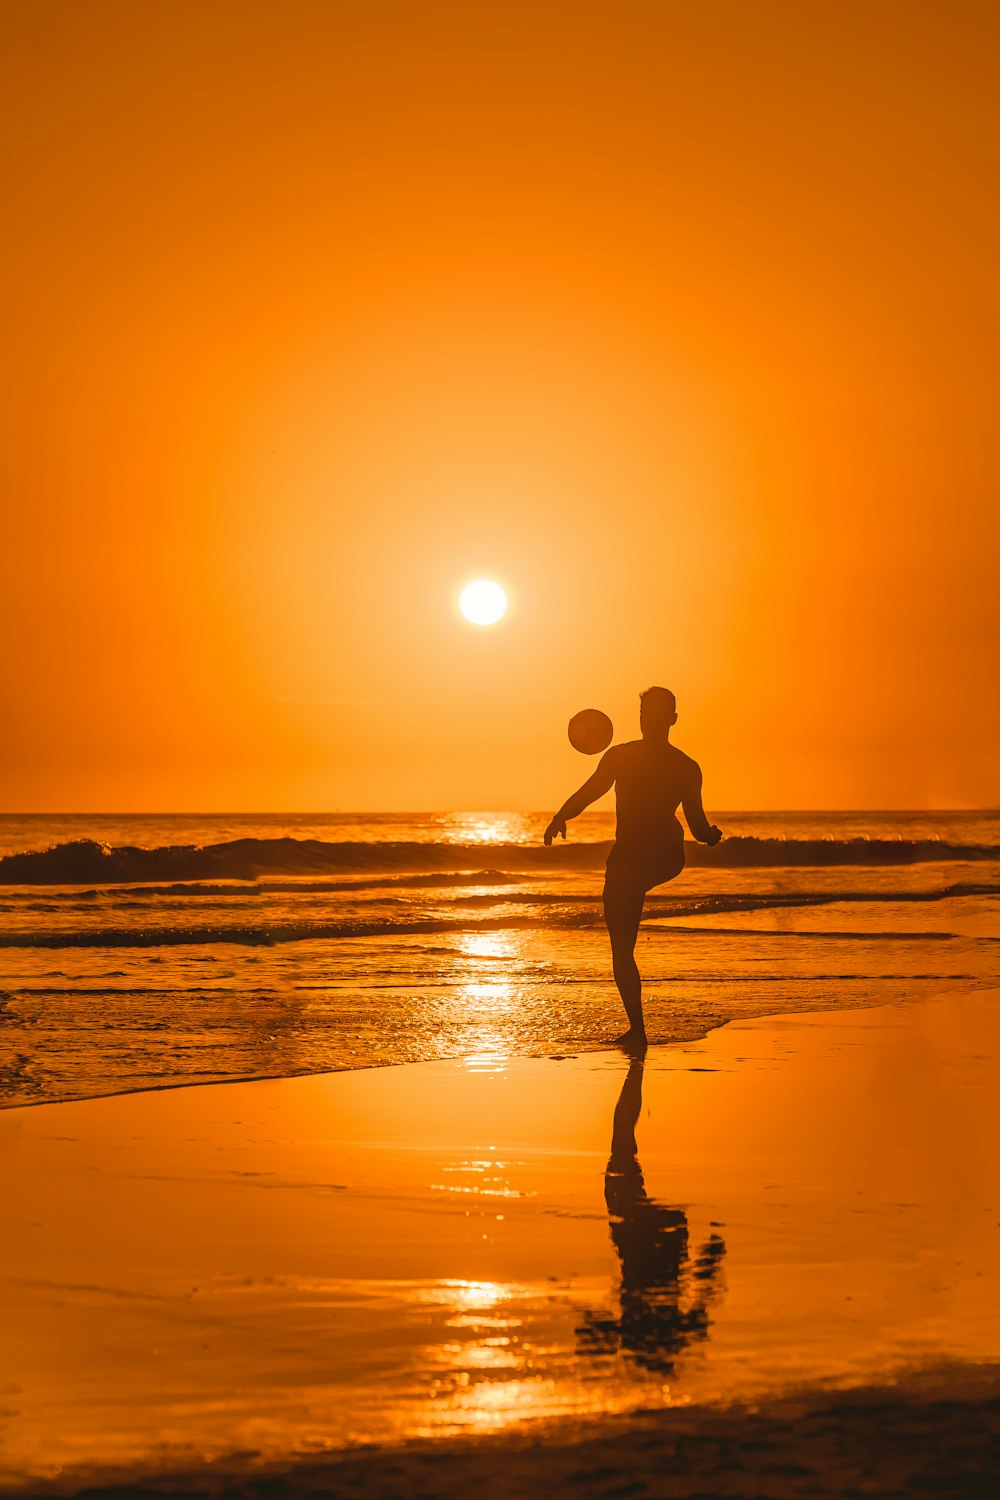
<point>714,835</point>
<point>557,829</point>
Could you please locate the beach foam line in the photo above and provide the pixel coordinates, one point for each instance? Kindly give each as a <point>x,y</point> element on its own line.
<point>85,861</point>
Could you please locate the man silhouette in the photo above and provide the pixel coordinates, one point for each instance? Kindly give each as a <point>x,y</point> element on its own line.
<point>652,777</point>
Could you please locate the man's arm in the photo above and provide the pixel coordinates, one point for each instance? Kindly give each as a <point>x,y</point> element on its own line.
<point>602,781</point>
<point>701,829</point>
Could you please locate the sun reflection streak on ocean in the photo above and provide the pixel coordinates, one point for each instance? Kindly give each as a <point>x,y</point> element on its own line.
<point>486,827</point>
<point>489,1002</point>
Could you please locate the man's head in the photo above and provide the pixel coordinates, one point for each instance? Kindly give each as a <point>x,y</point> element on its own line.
<point>657,710</point>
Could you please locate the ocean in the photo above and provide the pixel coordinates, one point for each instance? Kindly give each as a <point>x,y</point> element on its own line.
<point>149,951</point>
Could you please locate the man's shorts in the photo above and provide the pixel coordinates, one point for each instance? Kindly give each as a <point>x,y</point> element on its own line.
<point>628,876</point>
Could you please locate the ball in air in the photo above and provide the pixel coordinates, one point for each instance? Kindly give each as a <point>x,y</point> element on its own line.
<point>590,731</point>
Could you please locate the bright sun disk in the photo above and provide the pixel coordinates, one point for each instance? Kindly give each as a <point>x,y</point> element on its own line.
<point>482,602</point>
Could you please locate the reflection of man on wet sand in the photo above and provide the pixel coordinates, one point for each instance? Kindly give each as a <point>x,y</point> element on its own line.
<point>652,778</point>
<point>665,1295</point>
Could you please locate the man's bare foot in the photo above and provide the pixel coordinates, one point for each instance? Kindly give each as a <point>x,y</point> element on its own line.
<point>632,1040</point>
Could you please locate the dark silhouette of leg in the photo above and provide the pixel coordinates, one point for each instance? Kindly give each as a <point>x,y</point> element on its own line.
<point>624,1151</point>
<point>623,913</point>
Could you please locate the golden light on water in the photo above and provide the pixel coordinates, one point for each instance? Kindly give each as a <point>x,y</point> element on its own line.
<point>478,1295</point>
<point>484,828</point>
<point>486,994</point>
<point>483,602</point>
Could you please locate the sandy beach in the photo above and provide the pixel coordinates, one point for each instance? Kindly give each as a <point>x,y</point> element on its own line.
<point>776,1244</point>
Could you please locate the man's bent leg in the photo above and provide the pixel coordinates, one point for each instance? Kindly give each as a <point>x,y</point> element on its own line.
<point>623,904</point>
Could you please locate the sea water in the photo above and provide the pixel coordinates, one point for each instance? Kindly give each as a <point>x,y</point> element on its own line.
<point>145,951</point>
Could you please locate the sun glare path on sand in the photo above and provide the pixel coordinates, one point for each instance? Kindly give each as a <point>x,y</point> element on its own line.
<point>482,602</point>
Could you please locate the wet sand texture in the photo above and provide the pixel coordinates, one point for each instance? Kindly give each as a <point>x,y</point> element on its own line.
<point>925,1439</point>
<point>284,1269</point>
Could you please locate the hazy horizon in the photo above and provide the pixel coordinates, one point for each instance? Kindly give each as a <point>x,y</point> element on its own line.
<point>360,812</point>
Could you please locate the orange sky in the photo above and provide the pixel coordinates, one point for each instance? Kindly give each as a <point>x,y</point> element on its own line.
<point>681,321</point>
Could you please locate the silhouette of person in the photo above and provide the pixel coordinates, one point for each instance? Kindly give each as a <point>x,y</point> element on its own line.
<point>665,1294</point>
<point>651,777</point>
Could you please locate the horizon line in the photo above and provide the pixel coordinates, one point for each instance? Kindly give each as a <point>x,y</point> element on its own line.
<point>402,812</point>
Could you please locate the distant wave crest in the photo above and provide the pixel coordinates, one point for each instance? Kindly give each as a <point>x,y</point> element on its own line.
<point>85,861</point>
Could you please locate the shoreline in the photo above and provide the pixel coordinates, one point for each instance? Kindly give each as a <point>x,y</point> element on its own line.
<point>106,992</point>
<point>974,986</point>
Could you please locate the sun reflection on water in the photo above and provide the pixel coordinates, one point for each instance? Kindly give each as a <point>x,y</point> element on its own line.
<point>487,997</point>
<point>485,828</point>
<point>506,1364</point>
<point>498,945</point>
<point>486,1379</point>
<point>476,1295</point>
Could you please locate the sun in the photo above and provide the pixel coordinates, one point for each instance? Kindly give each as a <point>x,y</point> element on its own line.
<point>483,602</point>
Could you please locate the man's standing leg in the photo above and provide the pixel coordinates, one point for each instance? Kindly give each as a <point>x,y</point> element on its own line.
<point>623,904</point>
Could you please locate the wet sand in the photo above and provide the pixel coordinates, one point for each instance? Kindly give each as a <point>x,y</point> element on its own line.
<point>937,1435</point>
<point>789,1267</point>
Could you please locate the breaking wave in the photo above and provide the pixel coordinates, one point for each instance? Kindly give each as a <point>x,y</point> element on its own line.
<point>86,862</point>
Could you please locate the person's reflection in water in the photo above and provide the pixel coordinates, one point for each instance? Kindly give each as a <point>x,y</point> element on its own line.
<point>666,1292</point>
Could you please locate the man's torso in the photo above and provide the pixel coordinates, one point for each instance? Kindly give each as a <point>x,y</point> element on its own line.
<point>651,781</point>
